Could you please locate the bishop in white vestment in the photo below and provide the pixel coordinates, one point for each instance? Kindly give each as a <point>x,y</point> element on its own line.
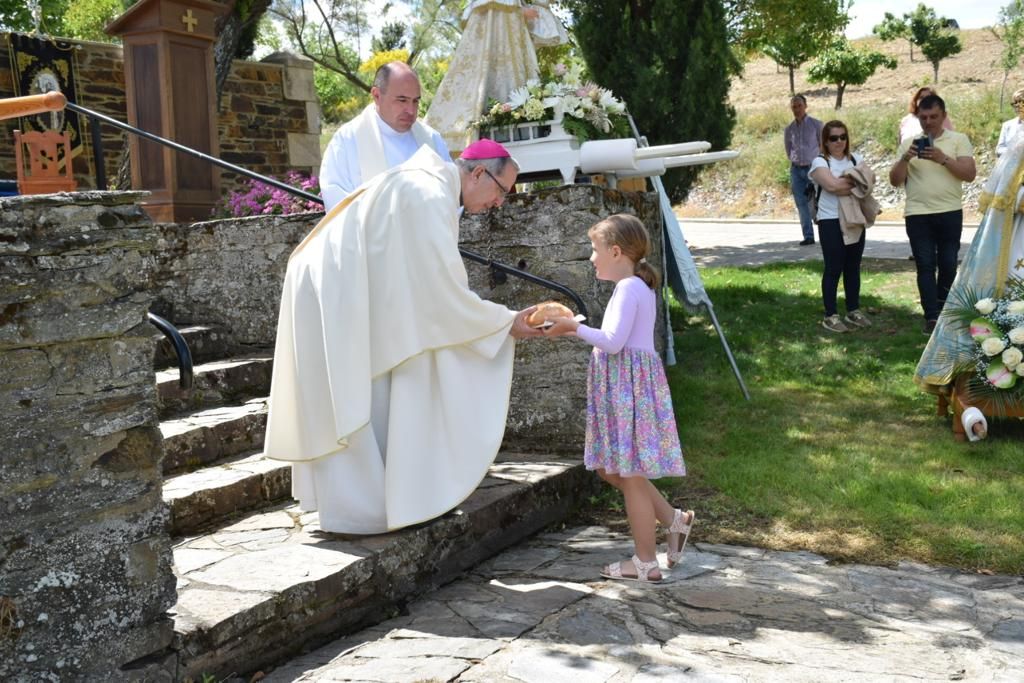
<point>391,377</point>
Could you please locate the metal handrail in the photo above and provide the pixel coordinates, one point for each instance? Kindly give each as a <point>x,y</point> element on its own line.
<point>308,196</point>
<point>185,375</point>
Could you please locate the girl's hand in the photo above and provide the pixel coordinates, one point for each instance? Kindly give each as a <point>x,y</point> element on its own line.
<point>561,327</point>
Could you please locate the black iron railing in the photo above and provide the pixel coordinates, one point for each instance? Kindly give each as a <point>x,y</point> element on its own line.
<point>180,349</point>
<point>95,118</point>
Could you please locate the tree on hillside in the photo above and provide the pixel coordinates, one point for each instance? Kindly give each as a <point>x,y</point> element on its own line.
<point>1010,31</point>
<point>670,62</point>
<point>934,36</point>
<point>791,32</point>
<point>893,27</point>
<point>843,65</point>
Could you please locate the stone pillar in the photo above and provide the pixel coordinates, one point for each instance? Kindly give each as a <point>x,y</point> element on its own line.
<point>85,558</point>
<point>303,147</point>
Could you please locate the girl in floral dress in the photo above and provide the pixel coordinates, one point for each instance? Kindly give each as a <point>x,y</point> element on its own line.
<point>631,429</point>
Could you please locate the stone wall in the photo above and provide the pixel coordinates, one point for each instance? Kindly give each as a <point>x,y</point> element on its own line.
<point>268,121</point>
<point>85,559</point>
<point>229,273</point>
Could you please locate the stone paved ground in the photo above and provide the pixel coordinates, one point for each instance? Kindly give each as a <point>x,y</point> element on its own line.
<point>539,613</point>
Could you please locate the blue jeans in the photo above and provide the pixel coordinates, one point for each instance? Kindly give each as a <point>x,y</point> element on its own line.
<point>798,182</point>
<point>841,260</point>
<point>935,241</point>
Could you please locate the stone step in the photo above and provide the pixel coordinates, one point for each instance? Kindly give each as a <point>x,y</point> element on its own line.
<point>271,584</point>
<point>234,485</point>
<point>210,434</point>
<point>219,382</point>
<point>205,343</point>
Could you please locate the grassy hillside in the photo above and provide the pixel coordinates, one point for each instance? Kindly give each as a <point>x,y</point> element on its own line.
<point>756,184</point>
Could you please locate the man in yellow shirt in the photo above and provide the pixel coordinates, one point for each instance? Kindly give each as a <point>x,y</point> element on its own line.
<point>934,168</point>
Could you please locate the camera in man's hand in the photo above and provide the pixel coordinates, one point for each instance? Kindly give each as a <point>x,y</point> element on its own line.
<point>921,143</point>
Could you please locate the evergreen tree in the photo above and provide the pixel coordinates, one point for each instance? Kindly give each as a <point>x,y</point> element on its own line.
<point>670,62</point>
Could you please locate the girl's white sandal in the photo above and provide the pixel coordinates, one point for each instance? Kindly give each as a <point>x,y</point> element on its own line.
<point>643,569</point>
<point>682,523</point>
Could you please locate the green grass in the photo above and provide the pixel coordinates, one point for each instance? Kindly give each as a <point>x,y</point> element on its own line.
<point>838,452</point>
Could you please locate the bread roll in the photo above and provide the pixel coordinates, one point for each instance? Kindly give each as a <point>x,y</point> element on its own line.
<point>546,311</point>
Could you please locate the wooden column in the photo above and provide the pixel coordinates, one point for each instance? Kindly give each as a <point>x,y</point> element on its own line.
<point>170,88</point>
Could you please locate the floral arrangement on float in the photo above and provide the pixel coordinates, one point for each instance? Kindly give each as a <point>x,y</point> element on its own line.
<point>995,361</point>
<point>581,108</point>
<point>257,198</point>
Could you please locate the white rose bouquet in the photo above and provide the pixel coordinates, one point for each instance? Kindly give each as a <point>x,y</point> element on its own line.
<point>998,335</point>
<point>587,111</point>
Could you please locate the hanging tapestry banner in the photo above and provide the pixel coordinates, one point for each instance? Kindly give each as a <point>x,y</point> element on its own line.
<point>41,66</point>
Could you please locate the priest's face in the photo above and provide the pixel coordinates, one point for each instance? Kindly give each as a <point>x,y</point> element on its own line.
<point>483,190</point>
<point>398,103</point>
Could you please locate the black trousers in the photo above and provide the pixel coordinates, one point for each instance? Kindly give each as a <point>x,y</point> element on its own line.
<point>841,260</point>
<point>935,241</point>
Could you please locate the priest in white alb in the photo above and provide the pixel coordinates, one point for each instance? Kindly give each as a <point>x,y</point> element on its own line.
<point>384,135</point>
<point>391,377</point>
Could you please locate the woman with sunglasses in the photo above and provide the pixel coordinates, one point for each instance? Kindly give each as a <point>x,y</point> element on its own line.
<point>842,259</point>
<point>1012,128</point>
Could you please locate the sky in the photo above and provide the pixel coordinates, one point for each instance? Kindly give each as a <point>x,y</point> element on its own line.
<point>865,14</point>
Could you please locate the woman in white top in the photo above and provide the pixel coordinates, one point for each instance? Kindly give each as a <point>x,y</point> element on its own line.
<point>910,127</point>
<point>1012,128</point>
<point>841,259</point>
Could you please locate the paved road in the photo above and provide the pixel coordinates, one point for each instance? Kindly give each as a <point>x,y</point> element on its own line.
<point>755,243</point>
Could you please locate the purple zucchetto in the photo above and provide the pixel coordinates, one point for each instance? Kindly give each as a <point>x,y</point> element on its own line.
<point>484,149</point>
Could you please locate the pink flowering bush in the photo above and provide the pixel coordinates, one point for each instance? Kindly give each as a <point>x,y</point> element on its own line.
<point>260,199</point>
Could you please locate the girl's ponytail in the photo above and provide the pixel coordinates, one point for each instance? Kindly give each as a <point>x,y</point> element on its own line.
<point>648,273</point>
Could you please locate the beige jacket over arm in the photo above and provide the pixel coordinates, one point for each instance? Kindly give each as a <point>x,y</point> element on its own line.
<point>859,209</point>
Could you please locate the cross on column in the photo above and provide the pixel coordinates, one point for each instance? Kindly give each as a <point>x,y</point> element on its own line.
<point>189,21</point>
